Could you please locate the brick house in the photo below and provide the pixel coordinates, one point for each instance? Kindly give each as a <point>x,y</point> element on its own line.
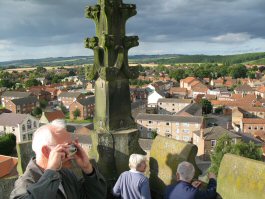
<point>86,107</point>
<point>172,126</point>
<point>10,95</point>
<point>206,139</point>
<point>171,105</point>
<point>177,92</point>
<point>22,125</point>
<point>67,98</point>
<point>41,94</point>
<point>252,125</point>
<point>22,105</point>
<point>49,116</point>
<point>186,83</point>
<point>52,91</point>
<point>244,89</point>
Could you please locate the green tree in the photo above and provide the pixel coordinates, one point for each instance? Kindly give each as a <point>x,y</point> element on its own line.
<point>238,71</point>
<point>7,144</point>
<point>226,145</point>
<point>76,113</point>
<point>7,83</point>
<point>32,82</point>
<point>36,111</point>
<point>43,103</point>
<point>63,109</point>
<point>206,106</point>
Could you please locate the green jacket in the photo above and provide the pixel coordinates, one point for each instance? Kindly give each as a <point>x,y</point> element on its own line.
<point>35,184</point>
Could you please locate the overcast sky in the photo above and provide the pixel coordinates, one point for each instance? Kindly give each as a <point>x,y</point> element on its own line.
<point>52,28</point>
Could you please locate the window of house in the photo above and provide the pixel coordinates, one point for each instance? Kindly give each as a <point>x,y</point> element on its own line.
<point>24,137</point>
<point>186,130</point>
<point>173,109</point>
<point>149,129</point>
<point>186,124</point>
<point>167,123</point>
<point>249,127</point>
<point>150,122</point>
<point>23,127</point>
<point>173,104</point>
<point>177,131</point>
<point>29,124</point>
<point>160,103</point>
<point>13,129</point>
<point>261,128</point>
<point>30,136</point>
<point>186,138</point>
<point>213,143</point>
<point>141,128</point>
<point>256,128</point>
<point>35,124</point>
<point>177,137</point>
<point>149,135</point>
<point>177,123</point>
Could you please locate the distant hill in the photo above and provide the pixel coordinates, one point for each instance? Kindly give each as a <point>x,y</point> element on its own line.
<point>251,58</point>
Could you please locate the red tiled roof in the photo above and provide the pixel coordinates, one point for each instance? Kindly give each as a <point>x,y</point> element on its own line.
<point>178,89</point>
<point>54,115</point>
<point>253,121</point>
<point>188,79</point>
<point>8,166</point>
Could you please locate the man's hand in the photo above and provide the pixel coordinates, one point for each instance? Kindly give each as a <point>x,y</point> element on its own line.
<point>82,159</point>
<point>196,183</point>
<point>57,155</point>
<point>211,175</point>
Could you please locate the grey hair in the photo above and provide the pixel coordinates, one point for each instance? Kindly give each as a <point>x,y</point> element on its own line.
<point>44,136</point>
<point>59,123</point>
<point>135,160</point>
<point>186,171</point>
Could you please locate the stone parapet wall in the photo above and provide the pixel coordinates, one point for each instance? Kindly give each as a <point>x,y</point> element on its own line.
<point>165,156</point>
<point>240,177</point>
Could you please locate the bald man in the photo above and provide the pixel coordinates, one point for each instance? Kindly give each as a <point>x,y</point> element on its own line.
<point>48,175</point>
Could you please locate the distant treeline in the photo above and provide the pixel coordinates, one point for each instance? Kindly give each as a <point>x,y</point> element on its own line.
<point>222,59</point>
<point>253,58</point>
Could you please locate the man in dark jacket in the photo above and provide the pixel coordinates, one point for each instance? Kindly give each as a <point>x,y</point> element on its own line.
<point>48,175</point>
<point>184,189</point>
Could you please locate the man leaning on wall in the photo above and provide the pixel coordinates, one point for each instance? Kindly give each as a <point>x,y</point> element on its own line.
<point>48,175</point>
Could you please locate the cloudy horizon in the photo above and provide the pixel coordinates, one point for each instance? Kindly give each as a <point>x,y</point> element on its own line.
<point>32,29</point>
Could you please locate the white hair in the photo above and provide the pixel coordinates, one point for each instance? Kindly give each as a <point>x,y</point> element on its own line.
<point>59,123</point>
<point>44,136</point>
<point>186,171</point>
<point>136,160</point>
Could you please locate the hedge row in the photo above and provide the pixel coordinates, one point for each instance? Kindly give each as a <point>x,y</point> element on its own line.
<point>7,144</point>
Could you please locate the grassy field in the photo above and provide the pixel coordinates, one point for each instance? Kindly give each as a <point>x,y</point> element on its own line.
<point>80,121</point>
<point>258,62</point>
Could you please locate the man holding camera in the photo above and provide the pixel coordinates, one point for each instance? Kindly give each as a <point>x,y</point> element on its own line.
<point>48,175</point>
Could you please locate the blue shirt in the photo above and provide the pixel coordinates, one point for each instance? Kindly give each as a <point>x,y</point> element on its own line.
<point>184,190</point>
<point>132,185</point>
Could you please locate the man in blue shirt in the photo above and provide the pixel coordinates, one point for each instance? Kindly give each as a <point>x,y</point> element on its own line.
<point>184,189</point>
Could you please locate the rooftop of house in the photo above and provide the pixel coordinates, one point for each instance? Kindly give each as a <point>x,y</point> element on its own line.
<point>188,79</point>
<point>70,94</point>
<point>16,94</point>
<point>244,88</point>
<point>178,89</point>
<point>53,115</point>
<point>193,109</point>
<point>87,101</point>
<point>25,100</point>
<point>12,119</point>
<point>253,121</point>
<point>169,118</point>
<point>174,100</point>
<point>8,166</point>
<point>215,132</point>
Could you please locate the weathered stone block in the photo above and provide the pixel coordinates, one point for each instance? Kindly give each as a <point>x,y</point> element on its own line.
<point>240,177</point>
<point>6,186</point>
<point>25,153</point>
<point>165,156</point>
<point>111,151</point>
